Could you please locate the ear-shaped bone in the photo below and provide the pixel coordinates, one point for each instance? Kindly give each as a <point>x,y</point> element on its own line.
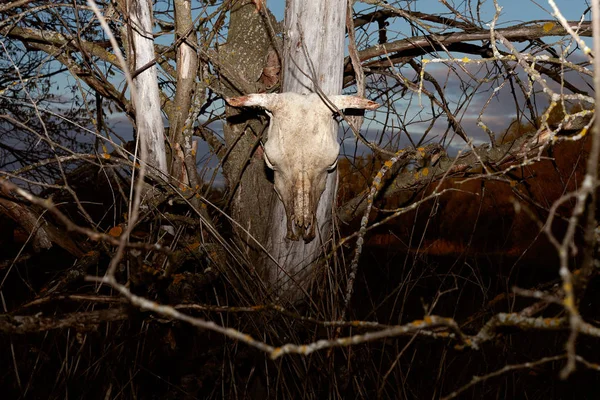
<point>342,102</point>
<point>301,149</point>
<point>264,100</point>
<point>268,101</point>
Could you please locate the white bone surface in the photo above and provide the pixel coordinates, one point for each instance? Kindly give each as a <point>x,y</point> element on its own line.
<point>301,149</point>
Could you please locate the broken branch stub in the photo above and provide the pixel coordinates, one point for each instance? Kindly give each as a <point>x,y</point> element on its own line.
<point>301,149</point>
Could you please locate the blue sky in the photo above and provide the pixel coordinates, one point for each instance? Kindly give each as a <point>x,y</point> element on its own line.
<point>500,113</point>
<point>501,109</point>
<point>512,10</point>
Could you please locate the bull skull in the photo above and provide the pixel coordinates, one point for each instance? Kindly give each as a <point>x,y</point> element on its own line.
<point>301,149</point>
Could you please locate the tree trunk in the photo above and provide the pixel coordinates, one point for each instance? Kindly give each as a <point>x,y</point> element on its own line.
<point>312,28</point>
<point>148,118</point>
<point>250,190</point>
<point>313,58</point>
<point>187,68</point>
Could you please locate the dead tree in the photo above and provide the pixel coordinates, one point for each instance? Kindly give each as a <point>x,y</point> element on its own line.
<point>302,146</point>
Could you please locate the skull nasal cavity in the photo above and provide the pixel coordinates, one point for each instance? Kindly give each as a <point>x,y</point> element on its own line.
<point>302,204</point>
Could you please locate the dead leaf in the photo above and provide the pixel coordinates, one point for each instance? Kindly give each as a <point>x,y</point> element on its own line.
<point>115,231</point>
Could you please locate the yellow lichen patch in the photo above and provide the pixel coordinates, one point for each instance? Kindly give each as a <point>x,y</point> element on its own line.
<point>276,353</point>
<point>248,338</point>
<point>466,59</point>
<point>428,320</point>
<point>417,322</point>
<point>568,302</point>
<point>513,183</point>
<point>425,171</point>
<point>417,175</point>
<point>583,132</point>
<point>106,156</point>
<point>388,164</point>
<point>547,27</point>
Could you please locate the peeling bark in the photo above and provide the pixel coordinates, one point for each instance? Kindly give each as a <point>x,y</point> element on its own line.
<point>149,124</point>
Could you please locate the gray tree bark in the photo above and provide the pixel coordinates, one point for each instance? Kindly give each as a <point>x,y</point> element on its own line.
<point>251,192</point>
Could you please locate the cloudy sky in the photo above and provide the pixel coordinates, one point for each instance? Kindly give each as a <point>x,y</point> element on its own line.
<point>501,108</point>
<point>497,103</point>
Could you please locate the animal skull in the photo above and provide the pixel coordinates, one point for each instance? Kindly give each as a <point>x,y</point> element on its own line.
<point>301,149</point>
